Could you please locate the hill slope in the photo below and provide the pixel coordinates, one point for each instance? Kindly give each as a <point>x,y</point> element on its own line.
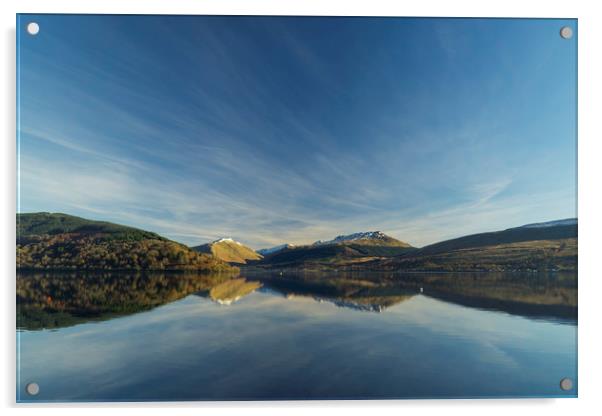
<point>508,236</point>
<point>229,251</point>
<point>45,223</point>
<point>61,241</point>
<point>541,247</point>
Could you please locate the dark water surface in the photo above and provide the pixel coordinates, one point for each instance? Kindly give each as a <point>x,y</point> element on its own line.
<point>127,337</point>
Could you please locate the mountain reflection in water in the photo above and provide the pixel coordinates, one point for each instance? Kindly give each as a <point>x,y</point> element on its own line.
<point>230,291</point>
<point>54,300</point>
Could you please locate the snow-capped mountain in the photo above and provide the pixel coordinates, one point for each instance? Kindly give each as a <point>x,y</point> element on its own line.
<point>276,249</point>
<point>364,235</point>
<point>229,250</point>
<point>226,240</point>
<point>567,221</point>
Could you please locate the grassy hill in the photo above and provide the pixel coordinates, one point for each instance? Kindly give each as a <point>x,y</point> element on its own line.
<point>538,255</point>
<point>515,249</point>
<point>229,251</point>
<point>45,223</point>
<point>60,241</point>
<point>509,236</point>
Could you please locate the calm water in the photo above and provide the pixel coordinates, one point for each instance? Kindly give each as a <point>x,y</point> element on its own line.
<point>127,337</point>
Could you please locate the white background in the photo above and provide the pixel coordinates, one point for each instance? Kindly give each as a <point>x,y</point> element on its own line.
<point>590,209</point>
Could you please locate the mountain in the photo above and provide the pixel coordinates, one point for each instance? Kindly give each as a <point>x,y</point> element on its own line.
<point>60,241</point>
<point>365,237</point>
<point>552,246</point>
<point>342,250</point>
<point>229,250</point>
<point>272,250</point>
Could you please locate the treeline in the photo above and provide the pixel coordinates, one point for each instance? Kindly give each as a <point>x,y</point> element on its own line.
<point>73,251</point>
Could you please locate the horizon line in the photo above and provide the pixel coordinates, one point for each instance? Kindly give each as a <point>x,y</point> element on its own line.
<point>298,245</point>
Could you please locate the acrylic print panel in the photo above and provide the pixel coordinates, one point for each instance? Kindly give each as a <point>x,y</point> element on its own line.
<point>267,208</point>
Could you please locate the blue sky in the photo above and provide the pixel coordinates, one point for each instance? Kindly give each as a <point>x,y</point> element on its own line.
<point>283,129</point>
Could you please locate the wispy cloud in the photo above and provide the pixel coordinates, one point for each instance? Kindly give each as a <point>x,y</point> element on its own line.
<point>272,132</point>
